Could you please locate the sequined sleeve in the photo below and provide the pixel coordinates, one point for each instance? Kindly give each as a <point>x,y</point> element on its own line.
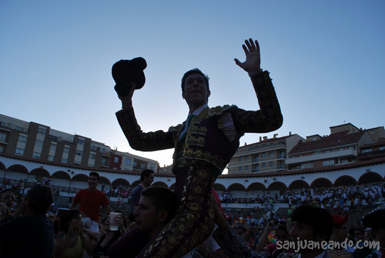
<point>139,140</point>
<point>234,246</point>
<point>269,117</point>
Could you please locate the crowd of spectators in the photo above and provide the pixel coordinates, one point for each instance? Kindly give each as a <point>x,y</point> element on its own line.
<point>253,226</point>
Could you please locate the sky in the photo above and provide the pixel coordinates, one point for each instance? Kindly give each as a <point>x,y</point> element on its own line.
<point>326,59</point>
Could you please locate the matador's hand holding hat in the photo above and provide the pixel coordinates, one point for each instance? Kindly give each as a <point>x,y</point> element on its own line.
<point>127,74</point>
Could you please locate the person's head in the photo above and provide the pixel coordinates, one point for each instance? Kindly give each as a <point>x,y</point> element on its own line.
<point>311,224</point>
<point>281,233</point>
<point>147,177</point>
<point>359,233</point>
<point>340,228</point>
<point>195,88</point>
<point>156,207</point>
<point>38,200</point>
<point>3,212</point>
<point>93,180</point>
<point>66,219</point>
<point>7,197</point>
<point>376,222</point>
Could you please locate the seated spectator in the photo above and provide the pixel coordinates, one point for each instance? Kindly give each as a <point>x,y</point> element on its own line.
<point>30,235</point>
<point>70,239</point>
<point>156,207</point>
<point>339,235</point>
<point>8,197</point>
<point>106,237</point>
<point>309,223</point>
<point>281,234</point>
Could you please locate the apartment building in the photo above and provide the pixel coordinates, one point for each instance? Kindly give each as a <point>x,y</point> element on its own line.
<point>344,145</point>
<point>267,155</point>
<point>40,142</point>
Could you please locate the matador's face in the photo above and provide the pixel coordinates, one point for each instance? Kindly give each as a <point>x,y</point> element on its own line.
<point>195,93</point>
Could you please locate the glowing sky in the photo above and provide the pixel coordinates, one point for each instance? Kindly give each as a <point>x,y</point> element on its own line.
<point>326,59</point>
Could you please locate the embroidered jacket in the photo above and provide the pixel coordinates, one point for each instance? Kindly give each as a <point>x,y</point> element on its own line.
<point>205,142</point>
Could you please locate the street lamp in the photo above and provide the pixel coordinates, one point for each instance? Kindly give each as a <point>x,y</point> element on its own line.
<point>69,188</point>
<point>246,198</point>
<point>5,173</point>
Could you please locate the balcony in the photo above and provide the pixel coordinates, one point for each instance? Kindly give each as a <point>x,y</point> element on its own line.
<point>322,156</point>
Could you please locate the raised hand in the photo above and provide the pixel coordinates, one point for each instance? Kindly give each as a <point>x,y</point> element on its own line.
<point>252,65</point>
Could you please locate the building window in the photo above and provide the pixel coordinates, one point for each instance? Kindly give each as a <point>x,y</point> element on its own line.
<point>307,165</point>
<point>127,162</point>
<point>367,151</point>
<point>36,155</point>
<point>41,131</point>
<point>79,153</point>
<point>19,152</point>
<point>240,159</point>
<point>271,154</point>
<point>247,158</point>
<point>93,147</point>
<point>19,128</point>
<point>92,155</point>
<point>50,158</point>
<point>22,138</point>
<point>104,162</point>
<point>247,167</point>
<point>135,164</point>
<point>39,143</point>
<point>263,155</point>
<point>141,166</point>
<point>66,150</point>
<point>53,147</point>
<point>240,168</point>
<point>116,159</point>
<point>63,160</point>
<point>328,162</point>
<point>271,164</point>
<point>3,137</point>
<point>263,165</point>
<point>81,141</point>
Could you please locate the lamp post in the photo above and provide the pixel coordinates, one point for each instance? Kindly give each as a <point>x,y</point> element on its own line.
<point>246,198</point>
<point>5,173</point>
<point>69,188</point>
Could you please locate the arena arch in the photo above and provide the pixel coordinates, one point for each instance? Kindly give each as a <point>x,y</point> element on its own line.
<point>18,169</point>
<point>321,183</point>
<point>277,186</point>
<point>345,181</point>
<point>219,188</point>
<point>80,178</point>
<point>104,180</point>
<point>2,166</point>
<point>61,175</point>
<point>370,177</point>
<point>40,173</point>
<point>135,184</point>
<point>159,183</point>
<point>256,187</point>
<point>120,182</point>
<point>236,187</point>
<point>299,184</point>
